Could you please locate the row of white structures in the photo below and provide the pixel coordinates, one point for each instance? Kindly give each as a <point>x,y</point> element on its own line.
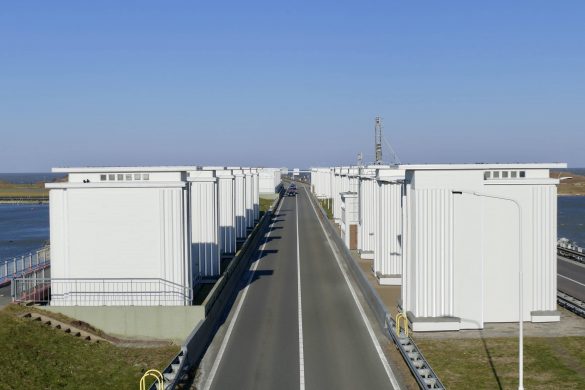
<point>457,238</point>
<point>171,224</point>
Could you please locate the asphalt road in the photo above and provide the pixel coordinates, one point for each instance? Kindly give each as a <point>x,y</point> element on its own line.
<point>571,278</point>
<point>263,350</point>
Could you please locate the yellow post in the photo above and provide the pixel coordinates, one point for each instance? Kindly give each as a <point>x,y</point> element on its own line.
<point>152,373</point>
<point>402,316</point>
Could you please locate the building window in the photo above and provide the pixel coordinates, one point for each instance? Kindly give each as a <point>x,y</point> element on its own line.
<point>486,175</point>
<point>111,176</point>
<point>522,173</point>
<point>145,176</point>
<point>103,177</point>
<point>496,174</point>
<point>504,174</point>
<point>513,174</point>
<point>137,176</point>
<point>129,177</point>
<point>120,177</point>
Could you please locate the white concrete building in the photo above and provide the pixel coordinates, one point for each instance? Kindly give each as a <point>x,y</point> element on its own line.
<point>388,234</point>
<point>240,203</point>
<point>256,194</point>
<point>124,223</point>
<point>270,182</point>
<point>321,182</point>
<point>467,229</point>
<point>367,213</point>
<point>249,187</point>
<point>349,219</point>
<point>227,211</point>
<point>204,219</point>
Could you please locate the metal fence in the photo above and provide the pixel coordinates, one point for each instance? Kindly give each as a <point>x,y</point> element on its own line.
<point>100,292</point>
<point>20,266</point>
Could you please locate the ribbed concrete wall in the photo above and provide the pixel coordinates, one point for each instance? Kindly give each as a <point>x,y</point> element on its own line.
<point>388,254</point>
<point>431,277</point>
<point>240,204</point>
<point>227,212</point>
<point>368,217</point>
<point>249,197</point>
<point>543,231</point>
<point>205,224</point>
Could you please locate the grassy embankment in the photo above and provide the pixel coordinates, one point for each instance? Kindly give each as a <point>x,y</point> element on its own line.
<point>573,186</point>
<point>492,363</point>
<point>33,191</point>
<point>35,356</point>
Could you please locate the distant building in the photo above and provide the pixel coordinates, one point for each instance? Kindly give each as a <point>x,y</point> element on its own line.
<point>451,236</point>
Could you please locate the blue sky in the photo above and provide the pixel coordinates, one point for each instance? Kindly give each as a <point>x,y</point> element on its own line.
<point>293,83</point>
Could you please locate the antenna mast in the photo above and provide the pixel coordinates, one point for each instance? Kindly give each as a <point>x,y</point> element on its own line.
<point>378,141</point>
<point>360,159</point>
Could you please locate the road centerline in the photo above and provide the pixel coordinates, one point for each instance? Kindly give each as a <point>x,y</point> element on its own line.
<point>300,306</point>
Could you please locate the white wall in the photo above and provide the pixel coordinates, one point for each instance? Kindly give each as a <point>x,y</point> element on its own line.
<point>205,250</point>
<point>124,232</point>
<point>462,240</point>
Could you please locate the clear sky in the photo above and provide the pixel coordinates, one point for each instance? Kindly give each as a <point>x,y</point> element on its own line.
<point>295,83</point>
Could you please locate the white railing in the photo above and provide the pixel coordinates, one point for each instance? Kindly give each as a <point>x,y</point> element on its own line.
<point>100,292</point>
<point>20,266</point>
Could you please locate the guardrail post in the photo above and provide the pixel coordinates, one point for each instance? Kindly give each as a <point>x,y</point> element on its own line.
<point>401,316</point>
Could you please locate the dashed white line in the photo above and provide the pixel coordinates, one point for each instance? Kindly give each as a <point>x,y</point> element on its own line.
<point>377,346</point>
<point>300,306</point>
<point>571,280</point>
<point>237,312</point>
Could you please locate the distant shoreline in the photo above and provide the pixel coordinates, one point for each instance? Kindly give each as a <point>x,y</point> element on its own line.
<point>32,201</point>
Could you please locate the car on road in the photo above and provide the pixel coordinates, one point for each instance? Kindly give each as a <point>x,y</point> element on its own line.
<point>292,190</point>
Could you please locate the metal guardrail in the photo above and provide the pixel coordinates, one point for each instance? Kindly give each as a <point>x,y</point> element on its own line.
<point>420,368</point>
<point>100,292</point>
<point>22,265</point>
<point>571,303</point>
<point>196,344</point>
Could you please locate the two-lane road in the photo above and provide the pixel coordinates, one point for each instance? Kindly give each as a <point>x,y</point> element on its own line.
<point>298,325</point>
<point>571,277</point>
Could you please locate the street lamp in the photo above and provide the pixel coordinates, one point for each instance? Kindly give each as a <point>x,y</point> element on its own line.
<point>520,282</point>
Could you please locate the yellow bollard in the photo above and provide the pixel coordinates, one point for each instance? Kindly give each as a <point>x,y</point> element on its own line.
<point>152,373</point>
<point>402,316</point>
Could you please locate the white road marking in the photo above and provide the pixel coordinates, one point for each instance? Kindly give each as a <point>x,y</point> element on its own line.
<point>569,279</point>
<point>377,346</point>
<point>570,261</point>
<point>301,349</point>
<point>226,339</point>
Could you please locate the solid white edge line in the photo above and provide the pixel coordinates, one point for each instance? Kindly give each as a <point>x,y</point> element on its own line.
<point>377,346</point>
<point>300,307</point>
<point>572,280</point>
<point>226,338</point>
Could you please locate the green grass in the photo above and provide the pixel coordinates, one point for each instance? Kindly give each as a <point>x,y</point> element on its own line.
<point>324,204</point>
<point>35,356</point>
<point>492,363</point>
<point>265,204</point>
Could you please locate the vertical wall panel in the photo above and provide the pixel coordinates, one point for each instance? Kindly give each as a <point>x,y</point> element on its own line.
<point>432,253</point>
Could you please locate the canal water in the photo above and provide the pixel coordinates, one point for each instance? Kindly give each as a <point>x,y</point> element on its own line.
<point>24,228</point>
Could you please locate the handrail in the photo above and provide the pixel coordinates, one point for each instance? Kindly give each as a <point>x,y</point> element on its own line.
<point>152,373</point>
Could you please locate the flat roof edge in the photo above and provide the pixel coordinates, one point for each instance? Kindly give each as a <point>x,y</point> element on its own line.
<point>180,168</point>
<point>446,167</point>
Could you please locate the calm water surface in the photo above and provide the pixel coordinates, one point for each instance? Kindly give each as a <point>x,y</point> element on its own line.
<point>23,228</point>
